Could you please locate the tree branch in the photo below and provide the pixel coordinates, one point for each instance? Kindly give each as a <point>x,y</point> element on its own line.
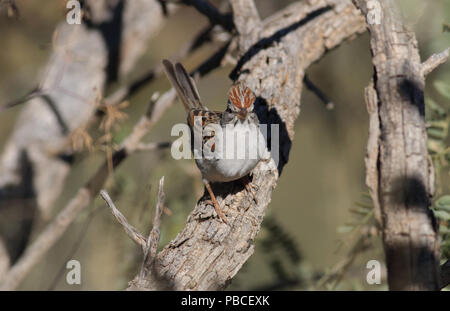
<point>397,166</point>
<point>52,232</point>
<point>129,229</point>
<point>247,22</point>
<point>154,236</point>
<point>149,245</point>
<point>155,233</point>
<point>212,13</point>
<point>435,61</point>
<point>207,254</point>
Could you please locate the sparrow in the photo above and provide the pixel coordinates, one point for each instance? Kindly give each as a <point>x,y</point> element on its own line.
<point>215,136</point>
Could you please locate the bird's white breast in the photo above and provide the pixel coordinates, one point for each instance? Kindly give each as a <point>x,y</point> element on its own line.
<point>238,148</point>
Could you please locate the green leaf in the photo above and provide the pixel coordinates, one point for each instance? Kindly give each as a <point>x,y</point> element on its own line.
<point>442,215</point>
<point>434,145</point>
<point>443,88</point>
<point>432,105</point>
<point>345,229</point>
<point>443,230</point>
<point>443,203</point>
<point>445,27</point>
<point>436,132</point>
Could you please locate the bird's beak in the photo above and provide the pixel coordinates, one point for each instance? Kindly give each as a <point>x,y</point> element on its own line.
<point>242,115</point>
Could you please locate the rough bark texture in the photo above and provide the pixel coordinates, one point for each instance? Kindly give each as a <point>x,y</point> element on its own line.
<point>397,162</point>
<point>274,55</point>
<point>36,159</point>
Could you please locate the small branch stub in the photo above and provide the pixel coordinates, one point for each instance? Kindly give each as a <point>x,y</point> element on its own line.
<point>129,229</point>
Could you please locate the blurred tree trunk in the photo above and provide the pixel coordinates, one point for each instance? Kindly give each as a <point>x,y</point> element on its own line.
<point>37,156</point>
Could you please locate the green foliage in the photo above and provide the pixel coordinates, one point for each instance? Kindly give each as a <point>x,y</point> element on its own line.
<point>360,235</point>
<point>282,256</point>
<point>438,121</point>
<point>277,237</point>
<point>445,27</point>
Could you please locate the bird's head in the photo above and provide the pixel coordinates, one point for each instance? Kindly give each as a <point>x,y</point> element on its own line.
<point>240,100</point>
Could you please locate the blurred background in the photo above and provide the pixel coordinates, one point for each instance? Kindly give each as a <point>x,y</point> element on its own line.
<point>311,208</point>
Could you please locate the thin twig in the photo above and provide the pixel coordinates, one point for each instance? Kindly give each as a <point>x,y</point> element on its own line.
<point>434,61</point>
<point>213,62</point>
<point>154,236</point>
<point>32,94</point>
<point>11,8</point>
<point>129,229</point>
<point>214,16</point>
<point>152,146</point>
<point>126,91</point>
<point>319,93</point>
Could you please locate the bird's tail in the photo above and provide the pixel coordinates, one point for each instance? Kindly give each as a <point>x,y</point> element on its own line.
<point>183,84</point>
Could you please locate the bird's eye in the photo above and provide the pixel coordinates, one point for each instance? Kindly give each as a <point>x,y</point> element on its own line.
<point>227,117</point>
<point>232,108</point>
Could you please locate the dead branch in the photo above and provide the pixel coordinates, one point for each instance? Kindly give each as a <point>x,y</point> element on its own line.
<point>149,245</point>
<point>154,236</point>
<point>435,61</point>
<point>155,233</point>
<point>397,166</point>
<point>318,92</point>
<point>207,254</point>
<point>212,13</point>
<point>129,229</point>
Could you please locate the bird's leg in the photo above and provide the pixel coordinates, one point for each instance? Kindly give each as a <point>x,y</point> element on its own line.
<point>249,187</point>
<point>215,203</point>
